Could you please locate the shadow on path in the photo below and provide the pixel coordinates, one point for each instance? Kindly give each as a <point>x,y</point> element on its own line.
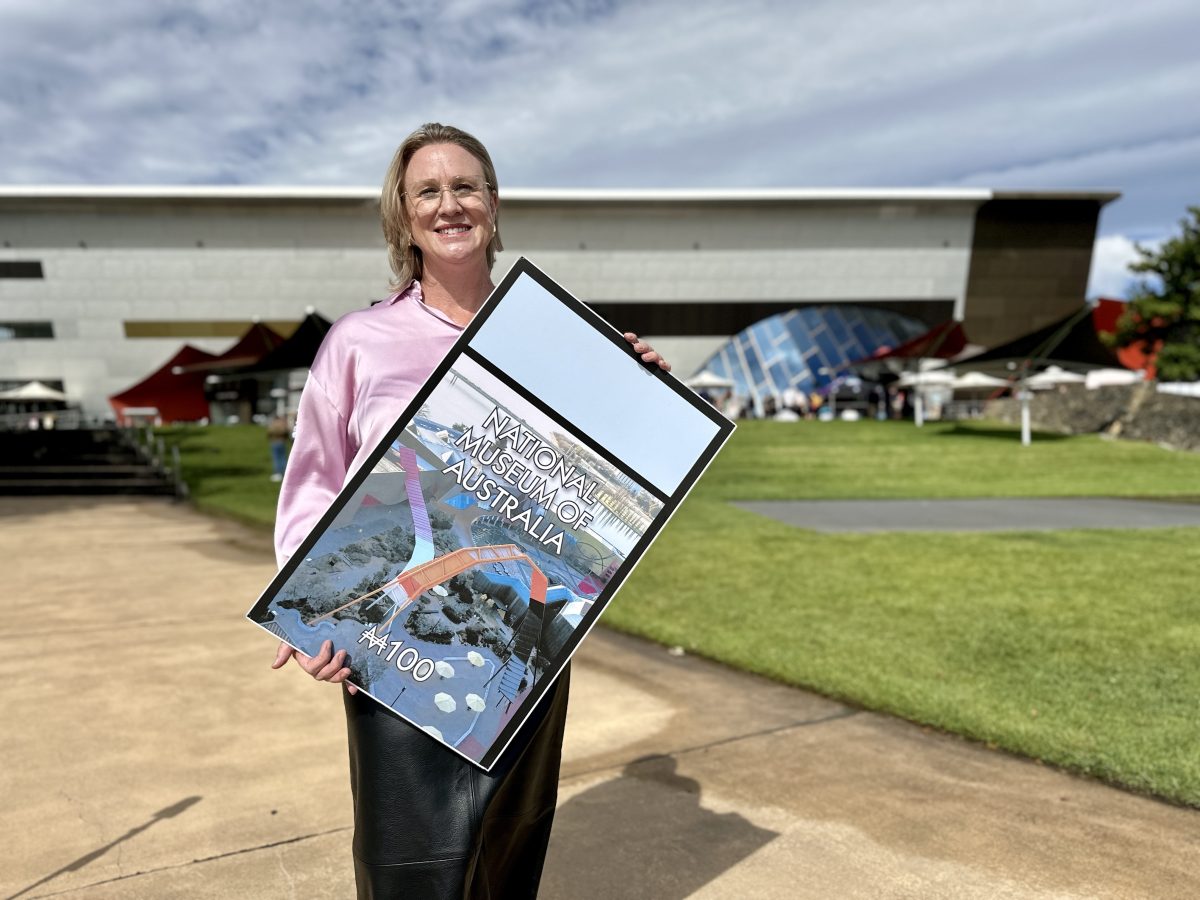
<point>644,834</point>
<point>167,813</point>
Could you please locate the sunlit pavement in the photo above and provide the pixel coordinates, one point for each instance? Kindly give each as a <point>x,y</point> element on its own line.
<point>149,752</point>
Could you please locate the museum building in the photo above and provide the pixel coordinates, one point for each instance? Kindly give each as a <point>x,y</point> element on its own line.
<point>99,286</point>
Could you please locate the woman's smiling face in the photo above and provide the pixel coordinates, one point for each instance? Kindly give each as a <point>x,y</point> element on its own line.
<point>456,221</point>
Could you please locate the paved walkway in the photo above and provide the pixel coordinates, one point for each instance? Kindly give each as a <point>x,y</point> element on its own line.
<point>149,752</point>
<point>976,515</point>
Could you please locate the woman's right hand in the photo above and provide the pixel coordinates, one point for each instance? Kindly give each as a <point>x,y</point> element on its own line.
<point>325,666</point>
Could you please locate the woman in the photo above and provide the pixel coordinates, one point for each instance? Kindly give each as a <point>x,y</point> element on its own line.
<point>427,824</point>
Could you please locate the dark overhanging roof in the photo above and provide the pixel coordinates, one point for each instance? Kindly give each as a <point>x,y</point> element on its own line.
<point>681,318</point>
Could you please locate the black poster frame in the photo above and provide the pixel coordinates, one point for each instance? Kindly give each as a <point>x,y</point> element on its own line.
<point>671,499</point>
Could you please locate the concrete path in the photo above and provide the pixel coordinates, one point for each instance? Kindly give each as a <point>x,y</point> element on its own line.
<point>976,515</point>
<point>148,752</point>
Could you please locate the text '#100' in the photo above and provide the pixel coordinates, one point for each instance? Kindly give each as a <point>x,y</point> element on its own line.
<point>407,659</point>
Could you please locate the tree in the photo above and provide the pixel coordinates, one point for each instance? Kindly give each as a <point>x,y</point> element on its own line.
<point>1167,317</point>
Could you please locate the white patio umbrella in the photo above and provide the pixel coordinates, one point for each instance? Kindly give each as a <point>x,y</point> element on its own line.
<point>32,392</point>
<point>974,381</point>
<point>934,378</point>
<point>444,702</point>
<point>1104,377</point>
<point>475,702</point>
<point>431,730</point>
<point>444,668</point>
<point>1052,377</point>
<point>1180,388</point>
<point>474,658</point>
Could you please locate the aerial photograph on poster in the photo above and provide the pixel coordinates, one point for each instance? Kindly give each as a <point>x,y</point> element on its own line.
<point>461,567</point>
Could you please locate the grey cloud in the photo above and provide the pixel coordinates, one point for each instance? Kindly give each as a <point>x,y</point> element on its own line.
<point>572,92</point>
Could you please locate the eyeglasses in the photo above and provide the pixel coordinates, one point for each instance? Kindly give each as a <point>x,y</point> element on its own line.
<point>465,190</point>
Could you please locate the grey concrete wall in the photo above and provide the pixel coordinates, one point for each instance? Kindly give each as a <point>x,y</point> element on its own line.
<point>108,261</point>
<point>720,252</point>
<point>673,261</point>
<point>1137,412</point>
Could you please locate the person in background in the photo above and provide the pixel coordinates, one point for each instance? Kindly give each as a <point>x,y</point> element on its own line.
<point>796,400</point>
<point>427,824</point>
<point>879,397</point>
<point>278,432</point>
<point>731,406</point>
<point>815,400</point>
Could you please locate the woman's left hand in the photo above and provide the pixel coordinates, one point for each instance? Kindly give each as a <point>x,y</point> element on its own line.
<point>649,354</point>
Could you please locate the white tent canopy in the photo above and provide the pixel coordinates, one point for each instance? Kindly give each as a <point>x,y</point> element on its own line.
<point>977,381</point>
<point>33,392</point>
<point>1103,377</point>
<point>1052,377</point>
<point>932,378</point>
<point>1179,388</point>
<point>707,379</point>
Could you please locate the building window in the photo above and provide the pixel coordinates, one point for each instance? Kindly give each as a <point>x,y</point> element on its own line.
<point>23,331</point>
<point>19,268</point>
<point>806,348</point>
<point>183,328</point>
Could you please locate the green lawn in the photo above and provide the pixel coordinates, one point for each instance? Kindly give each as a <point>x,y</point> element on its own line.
<point>818,460</point>
<point>1079,648</point>
<point>228,470</point>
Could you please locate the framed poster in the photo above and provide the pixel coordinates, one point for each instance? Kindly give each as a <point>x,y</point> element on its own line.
<point>462,565</point>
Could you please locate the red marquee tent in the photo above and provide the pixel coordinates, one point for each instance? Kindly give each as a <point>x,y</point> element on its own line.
<point>177,397</point>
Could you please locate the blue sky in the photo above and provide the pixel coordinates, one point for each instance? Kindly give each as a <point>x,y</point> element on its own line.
<point>598,388</point>
<point>609,93</point>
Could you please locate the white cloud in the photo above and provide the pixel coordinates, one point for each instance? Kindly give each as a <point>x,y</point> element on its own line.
<point>1111,258</point>
<point>1110,276</point>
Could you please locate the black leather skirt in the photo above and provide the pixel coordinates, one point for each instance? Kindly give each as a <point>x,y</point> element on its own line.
<point>429,825</point>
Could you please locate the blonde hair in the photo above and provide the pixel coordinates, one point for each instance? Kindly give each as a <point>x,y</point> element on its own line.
<point>403,255</point>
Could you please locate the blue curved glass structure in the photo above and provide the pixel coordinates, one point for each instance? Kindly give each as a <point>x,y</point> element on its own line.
<point>790,350</point>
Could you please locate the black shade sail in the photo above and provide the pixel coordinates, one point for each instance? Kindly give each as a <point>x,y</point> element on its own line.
<point>297,352</point>
<point>1071,342</point>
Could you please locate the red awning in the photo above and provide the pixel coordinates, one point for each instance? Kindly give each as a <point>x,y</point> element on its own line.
<point>177,397</point>
<point>257,342</point>
<point>939,342</point>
